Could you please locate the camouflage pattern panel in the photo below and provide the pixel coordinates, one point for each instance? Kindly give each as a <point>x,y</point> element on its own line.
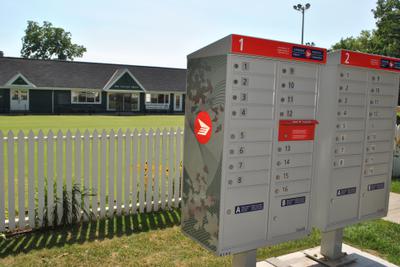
<point>206,82</point>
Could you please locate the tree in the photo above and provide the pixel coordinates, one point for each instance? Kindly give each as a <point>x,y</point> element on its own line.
<point>385,40</point>
<point>48,42</point>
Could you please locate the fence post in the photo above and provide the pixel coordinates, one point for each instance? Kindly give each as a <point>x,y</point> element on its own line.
<point>68,173</point>
<point>40,170</point>
<point>31,179</point>
<point>95,172</point>
<point>2,195</point>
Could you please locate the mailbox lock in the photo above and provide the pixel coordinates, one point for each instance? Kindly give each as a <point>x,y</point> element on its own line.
<point>236,66</point>
<point>275,218</point>
<point>235,81</point>
<point>234,97</point>
<point>230,182</point>
<point>283,70</point>
<point>283,85</point>
<point>234,113</point>
<point>278,177</point>
<point>231,151</point>
<point>228,211</point>
<point>279,149</point>
<point>233,136</point>
<point>231,167</point>
<point>282,99</point>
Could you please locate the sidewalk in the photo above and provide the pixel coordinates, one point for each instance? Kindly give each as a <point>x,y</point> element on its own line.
<point>394,208</point>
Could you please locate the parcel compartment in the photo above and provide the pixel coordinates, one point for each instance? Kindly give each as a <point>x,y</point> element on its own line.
<point>373,195</point>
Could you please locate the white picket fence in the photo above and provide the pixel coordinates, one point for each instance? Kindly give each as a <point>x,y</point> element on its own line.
<point>128,172</point>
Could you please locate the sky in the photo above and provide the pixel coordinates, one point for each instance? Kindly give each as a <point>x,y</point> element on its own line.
<point>163,32</point>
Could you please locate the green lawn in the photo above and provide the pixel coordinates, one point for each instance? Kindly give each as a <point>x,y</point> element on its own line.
<point>396,185</point>
<point>83,122</point>
<point>155,240</point>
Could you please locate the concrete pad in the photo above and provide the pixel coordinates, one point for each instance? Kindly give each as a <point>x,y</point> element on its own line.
<point>299,259</point>
<point>394,208</point>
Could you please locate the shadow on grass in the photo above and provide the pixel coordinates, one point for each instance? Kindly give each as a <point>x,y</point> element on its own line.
<point>124,225</point>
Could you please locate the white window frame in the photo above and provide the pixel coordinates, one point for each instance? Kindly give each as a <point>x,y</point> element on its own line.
<point>165,94</point>
<point>85,103</point>
<point>180,102</point>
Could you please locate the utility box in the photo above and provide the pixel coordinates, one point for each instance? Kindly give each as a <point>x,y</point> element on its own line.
<point>355,138</point>
<point>249,142</point>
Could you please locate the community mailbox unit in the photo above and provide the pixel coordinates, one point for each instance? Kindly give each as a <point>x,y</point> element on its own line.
<point>357,117</point>
<point>249,142</point>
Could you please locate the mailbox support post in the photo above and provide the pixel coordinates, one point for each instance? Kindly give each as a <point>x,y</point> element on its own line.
<point>245,259</point>
<point>331,244</point>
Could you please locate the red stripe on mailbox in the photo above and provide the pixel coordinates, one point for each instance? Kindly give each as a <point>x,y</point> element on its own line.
<point>275,49</point>
<point>296,130</point>
<point>371,61</point>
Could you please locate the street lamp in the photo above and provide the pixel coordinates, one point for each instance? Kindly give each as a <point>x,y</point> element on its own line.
<point>302,9</point>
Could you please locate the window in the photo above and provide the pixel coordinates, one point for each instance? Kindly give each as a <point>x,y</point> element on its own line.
<point>178,102</point>
<point>157,98</point>
<point>85,97</point>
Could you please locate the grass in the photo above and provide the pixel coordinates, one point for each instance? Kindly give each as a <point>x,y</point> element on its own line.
<point>155,239</point>
<point>395,185</point>
<point>83,122</point>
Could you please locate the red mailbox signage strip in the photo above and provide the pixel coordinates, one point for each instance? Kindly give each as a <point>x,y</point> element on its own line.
<point>268,48</point>
<point>296,130</point>
<point>358,59</point>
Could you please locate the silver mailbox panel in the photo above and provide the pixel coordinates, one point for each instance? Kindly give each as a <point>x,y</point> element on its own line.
<point>288,214</point>
<point>373,195</point>
<point>256,221</point>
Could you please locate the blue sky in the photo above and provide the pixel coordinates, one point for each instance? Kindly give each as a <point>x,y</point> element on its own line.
<point>163,32</point>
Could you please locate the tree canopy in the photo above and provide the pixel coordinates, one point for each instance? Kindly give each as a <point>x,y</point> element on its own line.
<point>49,42</point>
<point>385,39</point>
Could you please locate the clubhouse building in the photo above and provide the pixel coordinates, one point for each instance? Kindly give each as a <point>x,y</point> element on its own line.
<point>60,87</point>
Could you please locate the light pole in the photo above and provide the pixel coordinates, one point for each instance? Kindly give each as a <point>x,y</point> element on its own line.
<point>302,9</point>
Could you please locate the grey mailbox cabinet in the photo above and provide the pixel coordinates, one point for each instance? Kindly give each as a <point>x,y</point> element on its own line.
<point>355,137</point>
<point>249,142</point>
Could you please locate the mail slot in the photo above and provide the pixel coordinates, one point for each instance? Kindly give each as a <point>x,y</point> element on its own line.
<point>352,74</point>
<point>380,136</point>
<point>350,125</point>
<point>248,178</point>
<point>349,136</point>
<point>382,89</point>
<point>298,85</point>
<point>253,97</point>
<point>292,174</point>
<point>253,82</point>
<point>250,149</point>
<point>252,112</point>
<point>351,112</point>
<point>249,164</point>
<point>291,187</point>
<point>351,87</point>
<point>250,134</point>
<point>297,98</point>
<point>298,70</point>
<point>254,65</point>
<point>353,100</point>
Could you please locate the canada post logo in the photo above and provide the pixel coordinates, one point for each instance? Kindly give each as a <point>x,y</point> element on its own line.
<point>203,127</point>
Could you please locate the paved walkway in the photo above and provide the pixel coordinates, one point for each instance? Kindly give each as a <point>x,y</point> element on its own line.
<point>394,208</point>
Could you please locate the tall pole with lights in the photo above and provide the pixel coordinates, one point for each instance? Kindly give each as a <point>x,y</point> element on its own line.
<point>302,9</point>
